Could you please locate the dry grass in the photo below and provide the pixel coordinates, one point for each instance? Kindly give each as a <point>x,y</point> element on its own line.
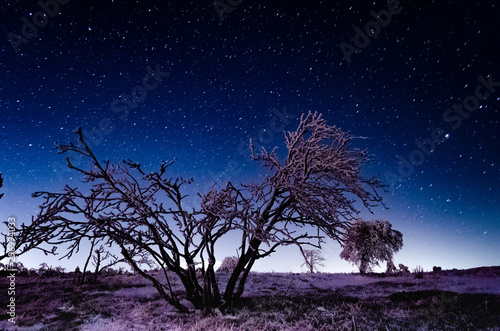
<point>272,301</point>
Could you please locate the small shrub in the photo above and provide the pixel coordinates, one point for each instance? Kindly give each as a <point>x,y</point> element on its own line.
<point>418,272</point>
<point>403,269</point>
<point>77,275</point>
<point>109,272</point>
<point>23,273</point>
<point>32,272</point>
<point>436,270</point>
<point>228,264</point>
<point>46,271</point>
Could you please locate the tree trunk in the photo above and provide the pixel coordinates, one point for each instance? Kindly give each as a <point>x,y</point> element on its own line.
<point>171,299</point>
<point>193,289</point>
<point>211,293</point>
<point>241,285</point>
<point>98,264</point>
<point>231,284</point>
<point>363,267</point>
<point>87,262</point>
<point>229,294</point>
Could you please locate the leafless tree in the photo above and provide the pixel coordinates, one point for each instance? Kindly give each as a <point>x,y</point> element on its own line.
<point>311,193</point>
<point>312,259</point>
<point>103,259</point>
<point>368,243</point>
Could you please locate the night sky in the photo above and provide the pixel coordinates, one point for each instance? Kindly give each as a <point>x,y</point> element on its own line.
<point>217,83</point>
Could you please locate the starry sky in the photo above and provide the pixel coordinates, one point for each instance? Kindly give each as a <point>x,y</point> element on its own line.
<point>218,82</point>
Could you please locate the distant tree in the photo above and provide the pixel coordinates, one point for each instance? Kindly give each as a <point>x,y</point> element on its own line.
<point>77,276</point>
<point>403,269</point>
<point>315,186</point>
<point>46,270</point>
<point>112,271</point>
<point>312,259</point>
<point>228,264</point>
<point>49,271</point>
<point>18,266</point>
<point>102,260</point>
<point>368,243</point>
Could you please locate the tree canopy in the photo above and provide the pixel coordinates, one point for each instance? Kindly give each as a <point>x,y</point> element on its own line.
<point>367,243</point>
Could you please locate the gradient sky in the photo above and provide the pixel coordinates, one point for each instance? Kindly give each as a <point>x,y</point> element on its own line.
<point>232,79</point>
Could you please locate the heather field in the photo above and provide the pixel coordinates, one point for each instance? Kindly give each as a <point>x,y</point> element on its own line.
<point>451,300</point>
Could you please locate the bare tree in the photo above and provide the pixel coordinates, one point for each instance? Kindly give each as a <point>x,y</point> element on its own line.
<point>312,259</point>
<point>103,259</point>
<point>308,195</point>
<point>368,243</point>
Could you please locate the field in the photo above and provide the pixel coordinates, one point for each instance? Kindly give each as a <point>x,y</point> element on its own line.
<point>452,300</point>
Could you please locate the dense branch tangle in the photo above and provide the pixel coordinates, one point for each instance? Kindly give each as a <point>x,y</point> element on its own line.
<point>305,197</point>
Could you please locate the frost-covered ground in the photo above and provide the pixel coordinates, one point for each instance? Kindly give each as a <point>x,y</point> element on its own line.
<point>454,300</point>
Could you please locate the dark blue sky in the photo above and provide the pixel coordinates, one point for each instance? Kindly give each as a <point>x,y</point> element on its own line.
<point>230,80</point>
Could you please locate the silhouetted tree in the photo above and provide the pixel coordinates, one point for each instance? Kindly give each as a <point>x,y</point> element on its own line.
<point>312,259</point>
<point>368,243</point>
<point>307,195</point>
